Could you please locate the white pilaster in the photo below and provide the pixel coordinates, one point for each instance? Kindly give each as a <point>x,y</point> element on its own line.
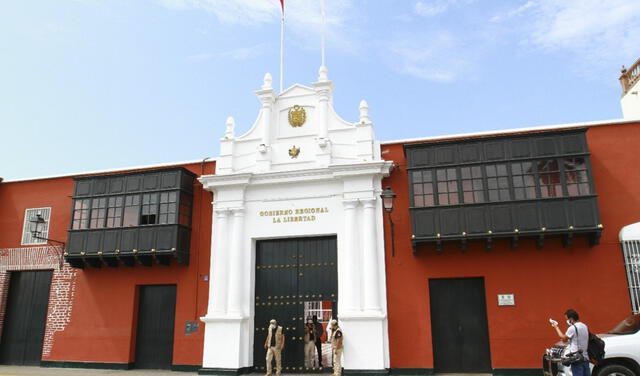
<point>349,298</point>
<point>218,268</point>
<point>370,257</point>
<point>236,287</point>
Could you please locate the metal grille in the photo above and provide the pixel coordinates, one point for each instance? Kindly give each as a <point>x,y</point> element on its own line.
<point>27,236</point>
<point>631,254</point>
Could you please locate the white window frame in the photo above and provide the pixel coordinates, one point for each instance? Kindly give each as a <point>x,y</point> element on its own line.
<point>27,237</point>
<point>630,240</point>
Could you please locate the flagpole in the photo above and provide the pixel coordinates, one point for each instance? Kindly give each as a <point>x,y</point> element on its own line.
<point>322,37</point>
<point>282,50</point>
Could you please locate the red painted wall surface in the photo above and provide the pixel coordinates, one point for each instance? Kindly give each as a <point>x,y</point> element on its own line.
<point>545,281</point>
<point>103,319</point>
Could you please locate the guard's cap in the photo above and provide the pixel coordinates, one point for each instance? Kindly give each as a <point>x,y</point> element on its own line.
<point>273,322</point>
<point>334,322</point>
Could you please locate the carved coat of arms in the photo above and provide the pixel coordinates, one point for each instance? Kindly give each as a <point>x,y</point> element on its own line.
<point>294,152</point>
<point>297,116</point>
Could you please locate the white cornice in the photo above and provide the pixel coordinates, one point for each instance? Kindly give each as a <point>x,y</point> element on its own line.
<point>306,175</point>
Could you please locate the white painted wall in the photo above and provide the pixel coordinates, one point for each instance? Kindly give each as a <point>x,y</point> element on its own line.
<point>339,167</point>
<point>630,102</point>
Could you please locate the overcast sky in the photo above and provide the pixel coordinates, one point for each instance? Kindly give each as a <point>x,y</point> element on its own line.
<point>88,85</point>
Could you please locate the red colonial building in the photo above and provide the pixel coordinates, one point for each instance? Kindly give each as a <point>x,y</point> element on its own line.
<point>490,235</point>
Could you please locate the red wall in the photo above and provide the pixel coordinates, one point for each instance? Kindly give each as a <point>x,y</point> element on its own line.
<point>103,319</point>
<point>545,281</point>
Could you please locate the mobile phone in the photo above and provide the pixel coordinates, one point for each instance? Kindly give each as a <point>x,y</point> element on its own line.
<point>553,322</point>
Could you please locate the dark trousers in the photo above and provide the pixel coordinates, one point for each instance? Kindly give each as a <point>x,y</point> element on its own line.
<point>581,369</point>
<point>319,348</point>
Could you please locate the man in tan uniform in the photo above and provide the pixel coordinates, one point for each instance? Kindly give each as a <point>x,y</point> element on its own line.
<point>336,345</point>
<point>274,345</point>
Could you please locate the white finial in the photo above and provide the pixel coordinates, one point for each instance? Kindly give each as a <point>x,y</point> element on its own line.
<point>323,74</point>
<point>364,112</point>
<point>267,81</point>
<point>230,125</point>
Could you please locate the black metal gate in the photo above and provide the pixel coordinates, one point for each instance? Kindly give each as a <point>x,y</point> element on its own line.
<point>293,275</point>
<point>25,319</point>
<point>156,318</point>
<point>459,325</point>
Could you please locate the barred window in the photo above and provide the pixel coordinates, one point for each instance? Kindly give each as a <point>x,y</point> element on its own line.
<point>447,186</point>
<point>423,188</point>
<point>524,180</point>
<point>472,186</point>
<point>497,182</point>
<point>31,215</point>
<point>81,213</point>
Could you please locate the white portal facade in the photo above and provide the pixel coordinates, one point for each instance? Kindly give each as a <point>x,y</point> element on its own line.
<point>300,171</point>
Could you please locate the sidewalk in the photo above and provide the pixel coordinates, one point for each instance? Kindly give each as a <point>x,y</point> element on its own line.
<point>46,371</point>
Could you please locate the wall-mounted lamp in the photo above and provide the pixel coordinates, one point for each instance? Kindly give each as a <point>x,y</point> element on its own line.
<point>36,225</point>
<point>388,196</point>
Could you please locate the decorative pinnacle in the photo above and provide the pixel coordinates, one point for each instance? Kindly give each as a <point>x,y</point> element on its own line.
<point>364,112</point>
<point>230,126</point>
<point>323,74</point>
<point>267,81</point>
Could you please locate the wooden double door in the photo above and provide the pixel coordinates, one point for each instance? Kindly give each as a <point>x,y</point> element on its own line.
<point>25,317</point>
<point>295,279</point>
<point>459,327</point>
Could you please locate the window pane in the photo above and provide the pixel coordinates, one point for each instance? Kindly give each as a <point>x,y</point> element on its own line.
<point>441,175</point>
<point>453,198</point>
<point>442,187</point>
<point>478,196</point>
<point>418,201</point>
<point>417,176</point>
<point>428,200</point>
<point>428,188</point>
<point>443,199</point>
<point>453,186</point>
<point>465,172</point>
<point>417,189</point>
<point>476,172</point>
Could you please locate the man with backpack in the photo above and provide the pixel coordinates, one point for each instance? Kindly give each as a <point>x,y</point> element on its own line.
<point>578,337</point>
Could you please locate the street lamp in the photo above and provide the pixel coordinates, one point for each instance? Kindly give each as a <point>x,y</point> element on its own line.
<point>388,196</point>
<point>36,225</point>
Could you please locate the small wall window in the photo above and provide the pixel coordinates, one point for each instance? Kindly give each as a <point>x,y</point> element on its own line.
<point>630,239</point>
<point>31,214</point>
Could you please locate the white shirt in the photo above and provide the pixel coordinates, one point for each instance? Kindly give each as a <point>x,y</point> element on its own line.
<point>579,340</point>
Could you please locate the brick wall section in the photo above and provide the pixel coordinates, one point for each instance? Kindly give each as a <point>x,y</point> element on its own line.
<point>62,291</point>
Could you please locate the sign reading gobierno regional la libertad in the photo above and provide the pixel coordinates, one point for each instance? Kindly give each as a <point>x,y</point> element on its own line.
<point>294,215</point>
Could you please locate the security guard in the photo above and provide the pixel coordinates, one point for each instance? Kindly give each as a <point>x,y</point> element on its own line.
<point>336,345</point>
<point>274,345</point>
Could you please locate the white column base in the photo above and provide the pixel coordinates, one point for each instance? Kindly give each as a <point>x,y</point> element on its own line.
<point>365,341</point>
<point>224,346</point>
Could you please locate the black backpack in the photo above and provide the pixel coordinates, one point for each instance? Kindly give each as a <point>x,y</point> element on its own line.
<point>595,348</point>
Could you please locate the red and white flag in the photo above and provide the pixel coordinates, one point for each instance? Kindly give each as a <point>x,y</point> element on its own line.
<point>282,6</point>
